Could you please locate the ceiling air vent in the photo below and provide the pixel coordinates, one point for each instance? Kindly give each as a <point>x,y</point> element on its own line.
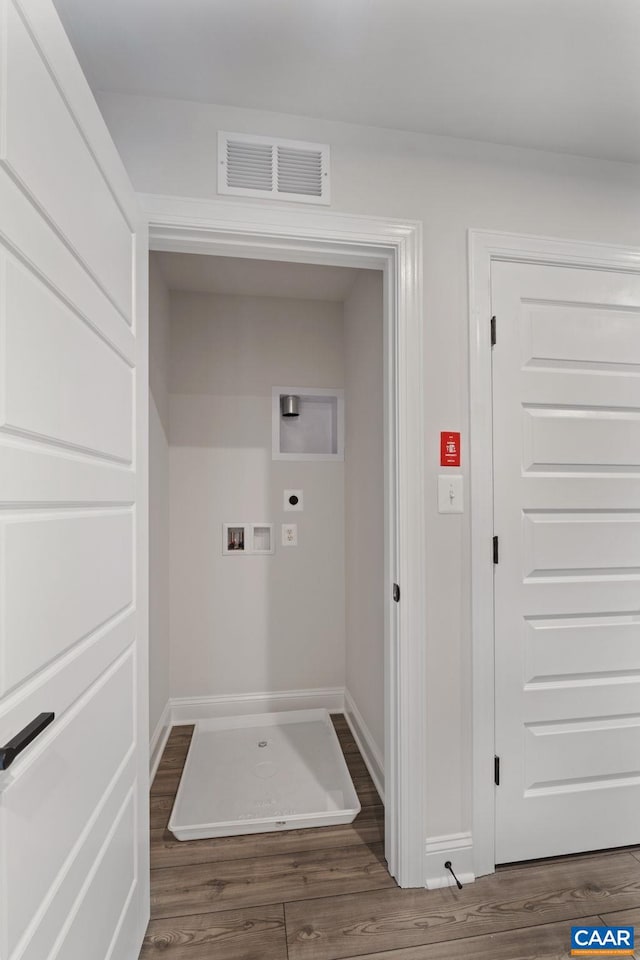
<point>251,166</point>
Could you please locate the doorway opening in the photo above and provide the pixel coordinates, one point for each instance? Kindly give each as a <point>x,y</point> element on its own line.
<point>268,545</point>
<point>255,231</point>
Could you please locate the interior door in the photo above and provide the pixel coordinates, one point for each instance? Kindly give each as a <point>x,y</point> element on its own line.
<point>73,804</point>
<point>566,409</point>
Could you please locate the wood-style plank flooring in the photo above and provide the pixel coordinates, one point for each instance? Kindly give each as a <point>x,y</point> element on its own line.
<point>325,893</point>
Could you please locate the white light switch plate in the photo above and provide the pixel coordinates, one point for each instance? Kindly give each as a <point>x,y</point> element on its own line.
<point>289,534</point>
<point>450,493</point>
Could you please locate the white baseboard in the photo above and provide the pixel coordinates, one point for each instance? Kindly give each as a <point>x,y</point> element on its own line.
<point>458,848</point>
<point>366,744</point>
<point>159,739</point>
<point>192,709</point>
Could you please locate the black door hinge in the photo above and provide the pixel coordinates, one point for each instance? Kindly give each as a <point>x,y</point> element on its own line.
<point>496,771</point>
<point>495,550</point>
<point>396,593</point>
<point>494,335</point>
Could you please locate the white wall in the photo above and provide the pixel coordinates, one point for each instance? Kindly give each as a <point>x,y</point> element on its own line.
<point>251,624</point>
<point>450,185</point>
<point>364,501</point>
<point>159,323</point>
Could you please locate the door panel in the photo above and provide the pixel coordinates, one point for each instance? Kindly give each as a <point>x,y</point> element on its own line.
<point>43,825</point>
<point>578,752</point>
<point>579,334</point>
<point>572,543</point>
<point>82,563</point>
<point>112,884</point>
<point>42,249</point>
<point>53,161</point>
<point>566,409</point>
<point>598,646</point>
<point>73,805</point>
<point>47,939</point>
<point>582,437</point>
<point>47,341</point>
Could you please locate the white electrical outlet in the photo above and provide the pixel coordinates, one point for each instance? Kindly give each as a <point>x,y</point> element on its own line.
<point>293,500</point>
<point>289,534</point>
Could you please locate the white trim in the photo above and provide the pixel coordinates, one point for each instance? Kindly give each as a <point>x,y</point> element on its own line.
<point>140,427</point>
<point>232,227</point>
<point>366,744</point>
<point>485,247</point>
<point>159,739</point>
<point>456,847</point>
<point>192,709</point>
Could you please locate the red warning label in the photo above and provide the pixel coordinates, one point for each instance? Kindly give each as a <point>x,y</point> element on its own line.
<point>449,449</point>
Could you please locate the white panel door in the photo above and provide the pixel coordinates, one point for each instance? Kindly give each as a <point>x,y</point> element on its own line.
<point>566,409</point>
<point>73,341</point>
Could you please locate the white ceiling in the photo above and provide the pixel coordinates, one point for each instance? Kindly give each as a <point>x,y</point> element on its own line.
<point>195,273</point>
<point>560,75</point>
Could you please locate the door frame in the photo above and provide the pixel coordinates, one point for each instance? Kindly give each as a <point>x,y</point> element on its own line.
<point>268,231</point>
<point>485,247</point>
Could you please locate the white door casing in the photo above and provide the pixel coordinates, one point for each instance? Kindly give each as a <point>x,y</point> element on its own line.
<point>276,232</point>
<point>566,469</point>
<point>73,527</point>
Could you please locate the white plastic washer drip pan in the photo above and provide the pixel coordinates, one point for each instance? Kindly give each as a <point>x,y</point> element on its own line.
<point>274,771</point>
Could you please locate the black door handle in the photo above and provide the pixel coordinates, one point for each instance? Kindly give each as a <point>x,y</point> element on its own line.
<point>10,751</point>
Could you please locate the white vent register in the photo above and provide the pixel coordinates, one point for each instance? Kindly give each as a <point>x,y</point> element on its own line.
<point>251,166</point>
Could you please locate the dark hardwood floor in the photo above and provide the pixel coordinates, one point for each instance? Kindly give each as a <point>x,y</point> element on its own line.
<point>325,893</point>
